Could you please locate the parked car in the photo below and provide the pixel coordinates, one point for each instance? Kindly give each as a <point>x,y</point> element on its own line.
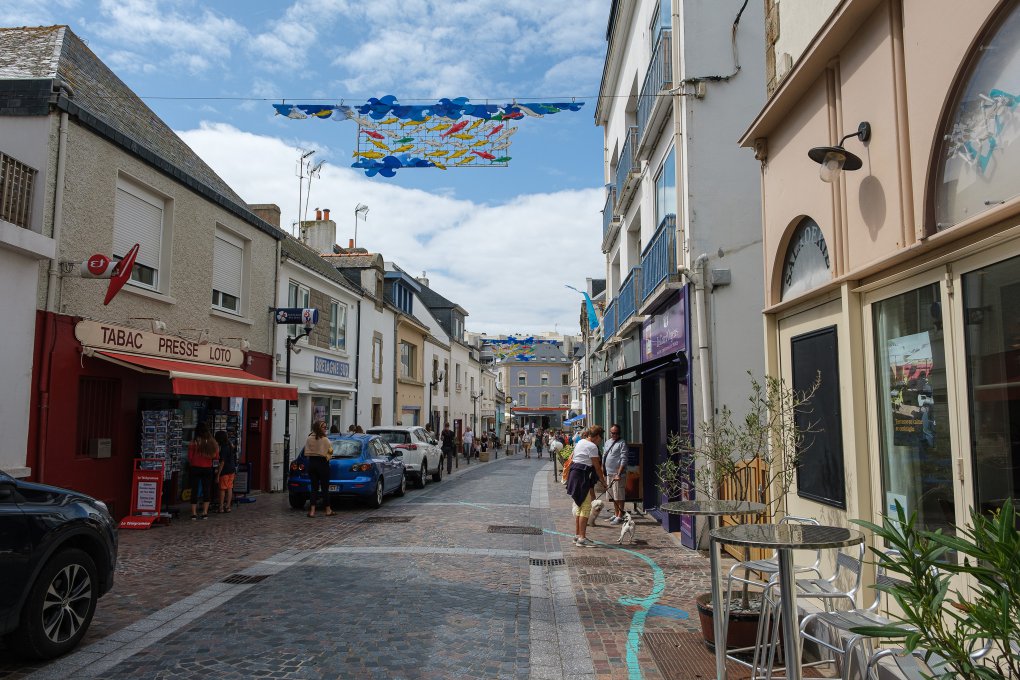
<point>58,552</point>
<point>422,453</point>
<point>363,466</point>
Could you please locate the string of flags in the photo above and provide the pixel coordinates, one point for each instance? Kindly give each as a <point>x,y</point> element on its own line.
<point>442,134</point>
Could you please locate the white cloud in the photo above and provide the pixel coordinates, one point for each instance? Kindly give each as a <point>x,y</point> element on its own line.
<point>505,263</point>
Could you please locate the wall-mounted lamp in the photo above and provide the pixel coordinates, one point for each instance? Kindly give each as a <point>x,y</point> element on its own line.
<point>836,158</point>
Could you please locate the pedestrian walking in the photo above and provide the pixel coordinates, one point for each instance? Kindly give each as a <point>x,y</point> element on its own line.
<point>526,444</point>
<point>318,449</point>
<point>585,469</point>
<point>555,446</point>
<point>469,442</point>
<point>538,443</point>
<point>203,452</point>
<point>226,471</point>
<point>616,455</point>
<point>449,446</point>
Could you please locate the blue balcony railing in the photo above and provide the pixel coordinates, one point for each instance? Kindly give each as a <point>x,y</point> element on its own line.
<point>627,301</point>
<point>609,321</point>
<point>658,261</point>
<point>659,77</point>
<point>607,212</point>
<point>628,163</point>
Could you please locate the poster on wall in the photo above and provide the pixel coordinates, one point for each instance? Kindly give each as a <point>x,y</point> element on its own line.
<point>910,393</point>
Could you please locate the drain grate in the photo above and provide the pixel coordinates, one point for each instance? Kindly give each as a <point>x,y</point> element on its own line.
<point>599,578</point>
<point>388,519</point>
<point>502,529</point>
<point>245,578</point>
<point>685,656</point>
<point>547,563</point>
<point>589,561</point>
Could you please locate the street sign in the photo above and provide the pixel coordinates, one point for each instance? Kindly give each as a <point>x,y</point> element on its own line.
<point>121,274</point>
<point>308,317</point>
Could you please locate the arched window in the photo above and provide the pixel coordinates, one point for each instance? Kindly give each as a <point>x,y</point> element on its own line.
<point>806,264</point>
<point>979,156</point>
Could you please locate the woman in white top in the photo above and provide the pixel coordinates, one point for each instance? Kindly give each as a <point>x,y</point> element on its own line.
<point>585,466</point>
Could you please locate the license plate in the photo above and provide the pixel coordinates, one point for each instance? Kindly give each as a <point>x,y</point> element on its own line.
<point>333,488</point>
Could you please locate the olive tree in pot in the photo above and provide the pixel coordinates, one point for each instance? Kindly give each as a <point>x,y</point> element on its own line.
<point>751,459</point>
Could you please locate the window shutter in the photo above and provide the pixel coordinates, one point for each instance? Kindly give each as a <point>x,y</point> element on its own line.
<point>136,220</point>
<point>228,258</point>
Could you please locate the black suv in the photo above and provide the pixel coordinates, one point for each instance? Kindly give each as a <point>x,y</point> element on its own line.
<point>58,551</point>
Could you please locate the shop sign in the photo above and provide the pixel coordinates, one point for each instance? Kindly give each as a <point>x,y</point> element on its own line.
<point>105,336</point>
<point>337,369</point>
<point>666,332</point>
<point>294,315</point>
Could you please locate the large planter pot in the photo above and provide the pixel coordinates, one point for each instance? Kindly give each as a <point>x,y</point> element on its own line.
<point>742,627</point>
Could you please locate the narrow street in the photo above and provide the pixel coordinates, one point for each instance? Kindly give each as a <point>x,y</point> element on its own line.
<point>438,584</point>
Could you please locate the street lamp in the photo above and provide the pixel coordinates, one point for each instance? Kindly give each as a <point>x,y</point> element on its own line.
<point>359,209</point>
<point>432,384</point>
<point>291,341</point>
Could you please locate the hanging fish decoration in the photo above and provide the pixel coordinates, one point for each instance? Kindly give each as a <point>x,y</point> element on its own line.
<point>484,154</point>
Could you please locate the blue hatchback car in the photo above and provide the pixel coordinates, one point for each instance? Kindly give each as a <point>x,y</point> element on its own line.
<point>362,466</point>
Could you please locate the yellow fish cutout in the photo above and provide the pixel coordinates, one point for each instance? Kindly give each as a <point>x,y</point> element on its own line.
<point>439,165</point>
<point>388,121</point>
<point>475,124</point>
<point>370,154</point>
<point>463,135</point>
<point>465,161</point>
<point>402,149</point>
<point>438,128</point>
<point>437,154</point>
<point>458,153</point>
<point>412,123</point>
<point>481,142</point>
<point>379,145</point>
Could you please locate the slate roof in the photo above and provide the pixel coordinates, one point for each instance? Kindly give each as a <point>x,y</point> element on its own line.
<point>299,252</point>
<point>355,260</point>
<point>434,300</point>
<point>598,286</point>
<point>49,55</point>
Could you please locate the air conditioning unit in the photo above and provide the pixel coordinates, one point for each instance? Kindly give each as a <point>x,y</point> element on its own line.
<point>100,447</point>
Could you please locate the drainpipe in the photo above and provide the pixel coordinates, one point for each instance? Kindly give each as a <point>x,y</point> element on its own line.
<point>357,365</point>
<point>704,345</point>
<point>49,339</point>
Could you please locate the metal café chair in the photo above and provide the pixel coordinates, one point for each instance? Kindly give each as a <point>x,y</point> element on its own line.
<point>839,622</point>
<point>917,665</point>
<point>826,591</point>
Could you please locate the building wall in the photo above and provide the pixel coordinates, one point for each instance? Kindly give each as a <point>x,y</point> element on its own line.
<point>410,405</point>
<point>376,321</point>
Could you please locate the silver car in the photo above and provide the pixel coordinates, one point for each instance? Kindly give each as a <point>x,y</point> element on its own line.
<point>421,453</point>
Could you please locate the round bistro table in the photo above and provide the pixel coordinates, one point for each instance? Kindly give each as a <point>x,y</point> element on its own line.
<point>785,538</point>
<point>711,510</point>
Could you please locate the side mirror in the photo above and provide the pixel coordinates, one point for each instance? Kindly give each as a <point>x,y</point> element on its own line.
<point>6,493</point>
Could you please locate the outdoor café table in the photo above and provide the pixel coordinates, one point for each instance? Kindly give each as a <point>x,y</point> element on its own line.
<point>785,538</point>
<point>713,509</point>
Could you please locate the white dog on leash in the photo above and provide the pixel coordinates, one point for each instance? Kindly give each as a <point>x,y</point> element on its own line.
<point>596,510</point>
<point>626,528</point>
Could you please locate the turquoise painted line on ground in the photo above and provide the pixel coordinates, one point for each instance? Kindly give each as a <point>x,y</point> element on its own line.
<point>476,505</point>
<point>637,622</point>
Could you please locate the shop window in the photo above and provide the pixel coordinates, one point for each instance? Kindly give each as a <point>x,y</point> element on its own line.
<point>820,475</point>
<point>297,296</point>
<point>320,410</point>
<point>138,217</point>
<point>228,272</point>
<point>337,325</point>
<point>992,329</point>
<point>913,414</point>
<point>979,158</point>
<point>98,399</point>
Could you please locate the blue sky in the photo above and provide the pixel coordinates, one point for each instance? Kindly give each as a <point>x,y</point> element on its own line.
<point>501,242</point>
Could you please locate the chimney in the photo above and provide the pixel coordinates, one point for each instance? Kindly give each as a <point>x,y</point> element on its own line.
<point>270,212</point>
<point>423,280</point>
<point>319,235</point>
<point>325,213</point>
<point>350,243</point>
<point>318,215</point>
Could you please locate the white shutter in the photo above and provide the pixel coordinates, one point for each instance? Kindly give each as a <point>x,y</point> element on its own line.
<point>228,258</point>
<point>136,220</point>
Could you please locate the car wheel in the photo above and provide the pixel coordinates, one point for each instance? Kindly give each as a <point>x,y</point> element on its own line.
<point>438,476</point>
<point>402,489</point>
<point>423,475</point>
<point>59,607</point>
<point>376,500</point>
<point>298,500</point>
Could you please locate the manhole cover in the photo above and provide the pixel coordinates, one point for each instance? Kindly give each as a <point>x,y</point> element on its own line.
<point>392,519</point>
<point>245,578</point>
<point>589,561</point>
<point>546,563</point>
<point>501,529</point>
<point>599,578</point>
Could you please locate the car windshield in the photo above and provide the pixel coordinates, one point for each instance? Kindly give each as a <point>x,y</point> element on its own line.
<point>346,448</point>
<point>394,437</point>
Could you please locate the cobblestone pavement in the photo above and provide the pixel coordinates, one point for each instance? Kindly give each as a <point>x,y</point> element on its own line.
<point>441,592</point>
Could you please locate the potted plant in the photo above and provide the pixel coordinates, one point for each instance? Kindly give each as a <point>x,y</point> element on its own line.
<point>977,633</point>
<point>752,459</point>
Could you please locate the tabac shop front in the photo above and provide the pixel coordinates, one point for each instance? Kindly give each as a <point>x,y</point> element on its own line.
<point>114,393</point>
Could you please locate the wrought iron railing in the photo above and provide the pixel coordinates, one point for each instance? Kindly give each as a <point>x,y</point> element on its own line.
<point>17,182</point>
<point>628,161</point>
<point>627,302</point>
<point>609,321</point>
<point>658,261</point>
<point>659,77</point>
<point>607,212</point>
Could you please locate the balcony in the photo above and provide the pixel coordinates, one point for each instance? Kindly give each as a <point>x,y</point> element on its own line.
<point>609,321</point>
<point>610,222</point>
<point>627,301</point>
<point>658,261</point>
<point>628,171</point>
<point>651,103</point>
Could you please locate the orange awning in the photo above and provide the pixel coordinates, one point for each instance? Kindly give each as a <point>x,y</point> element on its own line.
<point>188,377</point>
